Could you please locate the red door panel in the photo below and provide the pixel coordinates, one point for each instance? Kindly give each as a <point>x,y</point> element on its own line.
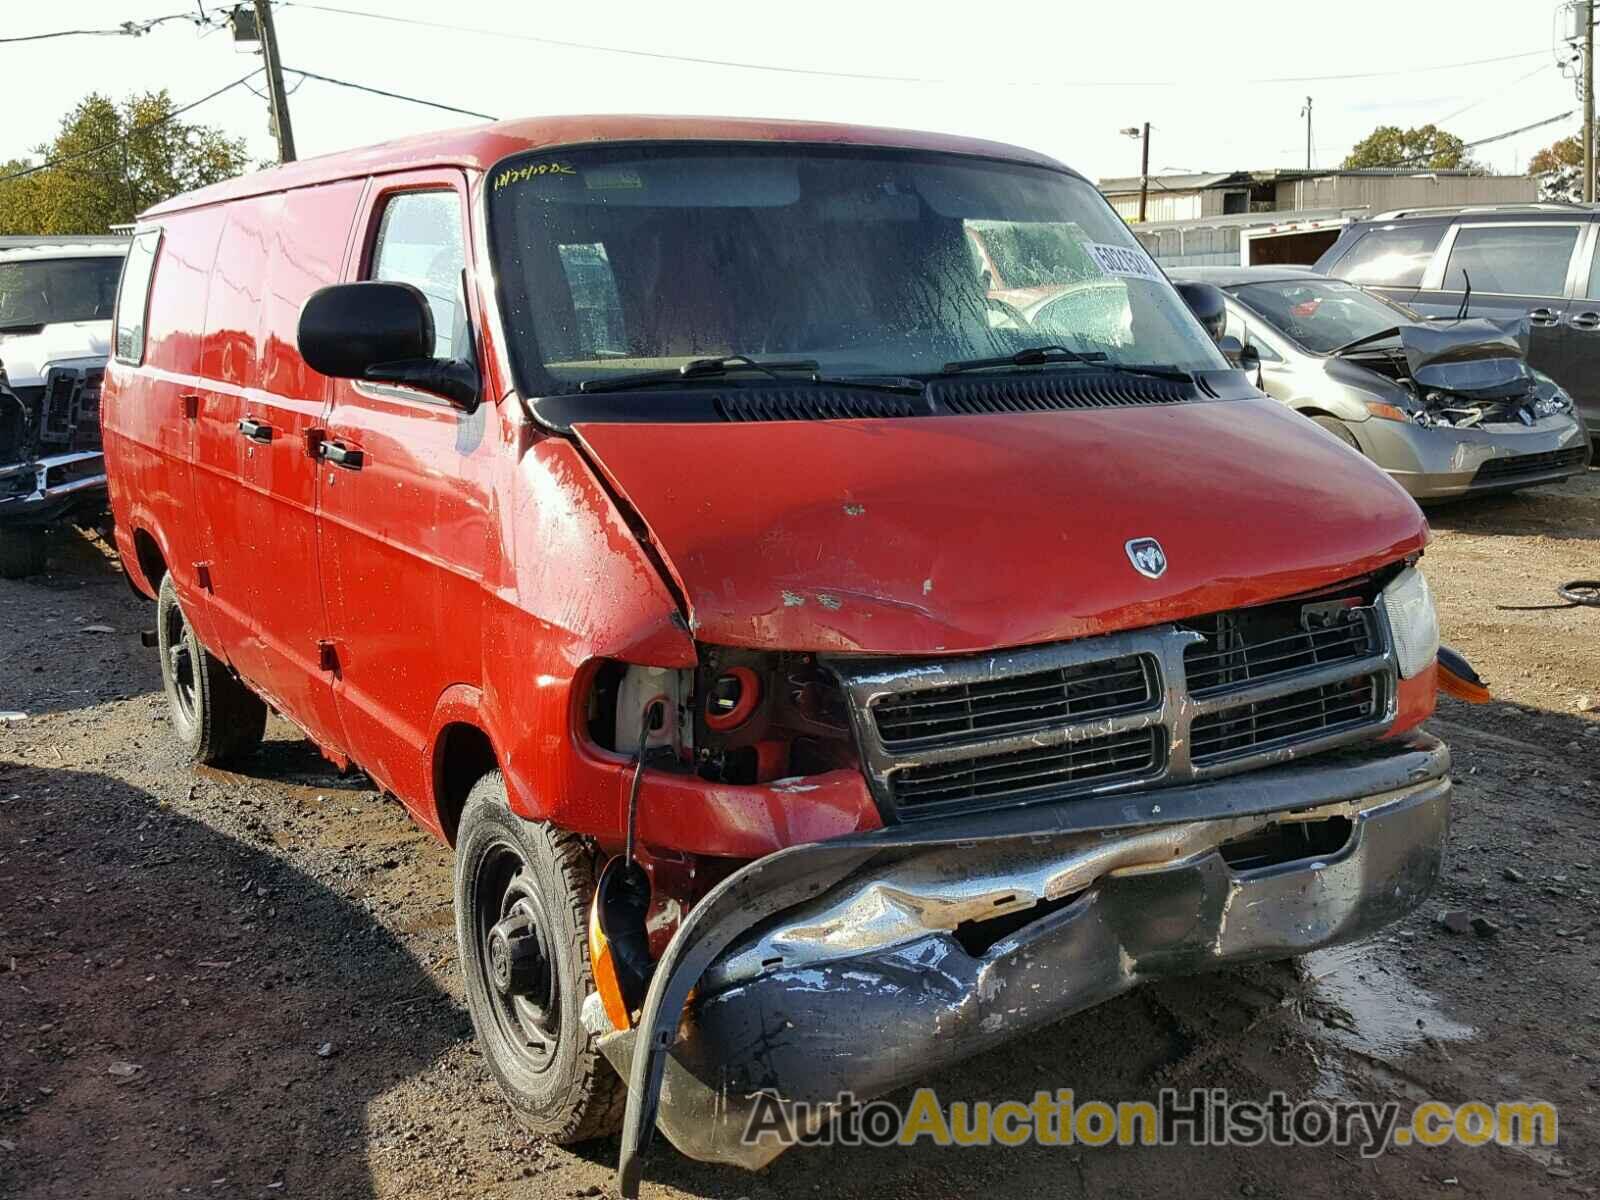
<point>307,234</point>
<point>404,539</point>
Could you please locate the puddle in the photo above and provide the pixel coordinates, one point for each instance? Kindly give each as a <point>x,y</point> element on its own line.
<point>1378,1011</point>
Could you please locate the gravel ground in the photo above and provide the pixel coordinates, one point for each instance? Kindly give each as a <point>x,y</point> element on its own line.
<point>244,985</point>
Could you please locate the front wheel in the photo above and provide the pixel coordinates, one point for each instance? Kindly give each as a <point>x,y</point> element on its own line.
<point>1339,430</point>
<point>522,893</point>
<point>215,715</point>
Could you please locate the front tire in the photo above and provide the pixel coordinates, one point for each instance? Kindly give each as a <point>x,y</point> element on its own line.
<point>522,893</point>
<point>23,552</point>
<point>1339,430</point>
<point>214,714</point>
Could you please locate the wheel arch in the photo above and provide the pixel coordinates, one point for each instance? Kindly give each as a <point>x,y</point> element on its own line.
<point>461,752</point>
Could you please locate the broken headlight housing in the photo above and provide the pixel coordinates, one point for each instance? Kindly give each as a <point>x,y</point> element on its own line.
<point>1413,623</point>
<point>1552,402</point>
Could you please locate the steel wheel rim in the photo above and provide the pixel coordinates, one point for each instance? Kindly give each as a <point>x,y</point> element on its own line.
<point>181,665</point>
<point>515,965</point>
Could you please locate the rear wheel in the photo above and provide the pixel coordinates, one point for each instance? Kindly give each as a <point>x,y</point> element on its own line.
<point>22,552</point>
<point>214,714</point>
<point>1339,430</point>
<point>522,893</point>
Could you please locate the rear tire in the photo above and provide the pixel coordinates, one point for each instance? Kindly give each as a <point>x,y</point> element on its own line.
<point>1339,430</point>
<point>23,552</point>
<point>522,894</point>
<point>215,715</point>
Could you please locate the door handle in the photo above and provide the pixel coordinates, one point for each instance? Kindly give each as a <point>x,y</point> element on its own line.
<point>1543,316</point>
<point>256,431</point>
<point>341,455</point>
<point>1586,320</point>
<point>191,405</point>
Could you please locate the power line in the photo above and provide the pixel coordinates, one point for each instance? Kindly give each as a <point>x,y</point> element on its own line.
<point>131,134</point>
<point>126,29</point>
<point>829,74</point>
<point>1494,94</point>
<point>361,87</point>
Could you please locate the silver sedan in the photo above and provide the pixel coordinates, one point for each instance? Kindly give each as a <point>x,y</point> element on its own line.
<point>1447,408</point>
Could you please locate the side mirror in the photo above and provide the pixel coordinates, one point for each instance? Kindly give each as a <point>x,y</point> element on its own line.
<point>1232,349</point>
<point>1207,304</point>
<point>1249,358</point>
<point>381,332</point>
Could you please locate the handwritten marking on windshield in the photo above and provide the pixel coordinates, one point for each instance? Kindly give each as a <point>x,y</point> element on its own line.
<point>522,174</point>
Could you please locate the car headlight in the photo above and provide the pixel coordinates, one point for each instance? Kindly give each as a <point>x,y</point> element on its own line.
<point>1413,623</point>
<point>1552,402</point>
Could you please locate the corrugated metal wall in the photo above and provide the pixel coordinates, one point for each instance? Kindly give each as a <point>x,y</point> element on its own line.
<point>1162,206</point>
<point>1379,194</point>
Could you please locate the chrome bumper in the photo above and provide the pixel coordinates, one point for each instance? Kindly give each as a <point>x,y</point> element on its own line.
<point>856,980</point>
<point>35,499</point>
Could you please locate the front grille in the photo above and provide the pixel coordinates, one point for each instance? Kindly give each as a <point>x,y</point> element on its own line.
<point>1001,778</point>
<point>1069,693</point>
<point>1277,640</point>
<point>1158,706</point>
<point>69,418</point>
<point>1253,728</point>
<point>1514,466</point>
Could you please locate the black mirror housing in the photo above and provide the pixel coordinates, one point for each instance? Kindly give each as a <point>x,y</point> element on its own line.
<point>1232,350</point>
<point>1249,358</point>
<point>348,328</point>
<point>1207,304</point>
<point>382,332</point>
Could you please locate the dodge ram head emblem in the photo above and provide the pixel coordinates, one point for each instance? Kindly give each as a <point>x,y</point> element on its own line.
<point>1147,557</point>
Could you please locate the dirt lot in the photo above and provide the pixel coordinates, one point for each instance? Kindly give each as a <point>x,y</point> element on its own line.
<point>241,985</point>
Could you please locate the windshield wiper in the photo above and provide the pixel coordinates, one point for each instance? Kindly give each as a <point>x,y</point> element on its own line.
<point>697,368</point>
<point>718,368</point>
<point>1392,331</point>
<point>1036,356</point>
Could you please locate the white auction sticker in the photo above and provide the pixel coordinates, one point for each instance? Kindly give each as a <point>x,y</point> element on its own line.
<point>1124,260</point>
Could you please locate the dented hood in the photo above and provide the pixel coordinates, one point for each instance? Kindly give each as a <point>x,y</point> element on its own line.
<point>948,534</point>
<point>1477,358</point>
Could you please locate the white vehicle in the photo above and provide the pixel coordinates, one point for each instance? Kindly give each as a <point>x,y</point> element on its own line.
<point>56,301</point>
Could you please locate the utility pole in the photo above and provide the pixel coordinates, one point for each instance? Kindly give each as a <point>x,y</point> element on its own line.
<point>1144,173</point>
<point>1306,113</point>
<point>1586,14</point>
<point>275,93</point>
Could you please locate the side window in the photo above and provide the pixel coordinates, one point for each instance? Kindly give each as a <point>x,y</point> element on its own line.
<point>1593,291</point>
<point>133,296</point>
<point>419,242</point>
<point>1512,260</point>
<point>1395,255</point>
<point>1237,328</point>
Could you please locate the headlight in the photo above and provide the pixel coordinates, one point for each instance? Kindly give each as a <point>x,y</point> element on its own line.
<point>1553,402</point>
<point>1413,624</point>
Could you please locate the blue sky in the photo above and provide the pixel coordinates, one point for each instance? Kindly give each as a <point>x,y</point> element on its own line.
<point>1223,84</point>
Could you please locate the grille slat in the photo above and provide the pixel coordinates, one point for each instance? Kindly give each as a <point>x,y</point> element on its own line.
<point>1513,465</point>
<point>1000,777</point>
<point>1253,645</point>
<point>1252,728</point>
<point>1042,697</point>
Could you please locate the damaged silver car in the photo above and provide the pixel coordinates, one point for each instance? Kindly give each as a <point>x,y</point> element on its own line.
<point>1449,408</point>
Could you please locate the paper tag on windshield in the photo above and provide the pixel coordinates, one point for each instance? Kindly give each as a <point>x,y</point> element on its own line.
<point>1124,260</point>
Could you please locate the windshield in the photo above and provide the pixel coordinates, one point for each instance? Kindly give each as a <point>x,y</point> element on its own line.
<point>1321,315</point>
<point>868,262</point>
<point>44,291</point>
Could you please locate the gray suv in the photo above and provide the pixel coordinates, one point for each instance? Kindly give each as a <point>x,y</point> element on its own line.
<point>1538,261</point>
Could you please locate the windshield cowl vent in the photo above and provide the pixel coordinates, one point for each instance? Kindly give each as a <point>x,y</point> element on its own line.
<point>1056,391</point>
<point>814,404</point>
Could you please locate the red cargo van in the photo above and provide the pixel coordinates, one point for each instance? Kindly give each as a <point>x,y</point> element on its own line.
<point>822,670</point>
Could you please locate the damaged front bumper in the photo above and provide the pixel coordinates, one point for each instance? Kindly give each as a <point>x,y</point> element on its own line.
<point>45,489</point>
<point>862,963</point>
<point>1444,462</point>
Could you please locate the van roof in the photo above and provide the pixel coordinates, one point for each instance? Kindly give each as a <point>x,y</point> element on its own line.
<point>479,147</point>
